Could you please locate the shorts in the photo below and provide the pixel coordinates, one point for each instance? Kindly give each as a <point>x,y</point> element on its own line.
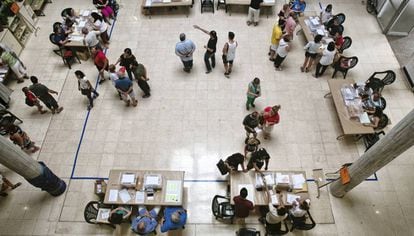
<point>225,61</point>
<point>273,47</point>
<point>311,55</point>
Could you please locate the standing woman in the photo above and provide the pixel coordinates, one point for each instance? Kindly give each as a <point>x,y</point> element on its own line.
<point>327,58</point>
<point>210,49</point>
<point>282,52</point>
<point>106,10</point>
<point>326,15</point>
<point>101,62</point>
<point>253,92</point>
<point>86,88</point>
<point>126,59</point>
<point>312,49</point>
<point>99,24</point>
<point>270,117</point>
<point>229,53</point>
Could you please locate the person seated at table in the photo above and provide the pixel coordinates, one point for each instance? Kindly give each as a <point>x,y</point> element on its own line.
<point>339,40</point>
<point>119,214</point>
<point>334,28</point>
<point>174,218</point>
<point>367,104</point>
<point>67,26</point>
<point>69,13</point>
<point>251,145</point>
<point>232,162</point>
<point>106,11</point>
<point>298,7</point>
<point>375,118</point>
<point>60,37</point>
<point>299,207</point>
<point>145,221</point>
<point>326,15</point>
<point>91,37</point>
<point>363,89</point>
<point>250,122</point>
<point>376,99</point>
<point>258,159</point>
<point>242,206</point>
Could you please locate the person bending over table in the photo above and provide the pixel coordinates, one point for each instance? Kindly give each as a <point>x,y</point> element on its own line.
<point>174,218</point>
<point>146,221</point>
<point>299,207</point>
<point>257,160</point>
<point>298,7</point>
<point>119,214</point>
<point>232,162</point>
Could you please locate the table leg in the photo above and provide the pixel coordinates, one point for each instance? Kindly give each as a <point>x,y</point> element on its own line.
<point>327,95</point>
<point>340,137</point>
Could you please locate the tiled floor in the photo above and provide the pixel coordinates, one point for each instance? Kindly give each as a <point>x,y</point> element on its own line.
<point>192,120</point>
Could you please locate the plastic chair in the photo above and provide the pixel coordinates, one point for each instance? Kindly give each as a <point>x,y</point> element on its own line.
<point>371,139</point>
<point>91,212</point>
<point>221,2</point>
<point>7,118</point>
<point>247,232</point>
<point>378,84</point>
<point>347,44</point>
<point>339,66</point>
<point>222,209</point>
<point>207,4</point>
<point>67,55</point>
<point>274,231</point>
<point>300,222</point>
<point>340,18</point>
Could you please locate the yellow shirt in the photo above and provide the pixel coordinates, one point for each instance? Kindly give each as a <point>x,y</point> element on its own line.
<point>276,34</point>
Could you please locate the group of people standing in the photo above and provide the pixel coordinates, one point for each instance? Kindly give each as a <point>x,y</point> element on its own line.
<point>185,49</point>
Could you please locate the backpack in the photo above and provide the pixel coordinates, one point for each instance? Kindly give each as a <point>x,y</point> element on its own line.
<point>222,167</point>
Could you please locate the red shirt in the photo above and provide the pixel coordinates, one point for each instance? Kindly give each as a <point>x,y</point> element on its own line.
<point>31,96</point>
<point>242,207</point>
<point>339,41</point>
<point>100,59</point>
<point>269,118</point>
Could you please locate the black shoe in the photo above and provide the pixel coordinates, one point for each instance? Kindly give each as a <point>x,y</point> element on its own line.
<point>253,105</point>
<point>146,96</point>
<point>3,194</point>
<point>95,96</point>
<point>101,81</point>
<point>208,72</point>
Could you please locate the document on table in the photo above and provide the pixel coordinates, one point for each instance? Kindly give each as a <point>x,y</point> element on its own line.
<point>113,195</point>
<point>82,23</point>
<point>298,181</point>
<point>269,1</point>
<point>152,180</point>
<point>275,200</point>
<point>291,198</point>
<point>173,191</point>
<point>282,179</point>
<point>128,178</point>
<point>148,3</point>
<point>86,13</point>
<point>139,197</point>
<point>76,37</point>
<point>124,195</point>
<point>364,118</point>
<point>250,190</point>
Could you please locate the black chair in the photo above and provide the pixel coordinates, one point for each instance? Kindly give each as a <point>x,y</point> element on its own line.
<point>371,139</point>
<point>383,122</point>
<point>222,2</point>
<point>65,12</point>
<point>383,103</point>
<point>378,84</point>
<point>300,222</point>
<point>340,17</point>
<point>91,213</point>
<point>247,232</point>
<point>275,231</point>
<point>347,44</point>
<point>344,64</point>
<point>222,209</point>
<point>207,4</point>
<point>7,118</point>
<point>68,55</point>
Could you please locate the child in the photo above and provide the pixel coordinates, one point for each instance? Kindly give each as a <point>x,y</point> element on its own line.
<point>31,100</point>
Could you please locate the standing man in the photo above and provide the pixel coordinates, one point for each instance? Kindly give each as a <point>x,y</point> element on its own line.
<point>140,74</point>
<point>229,53</point>
<point>253,92</point>
<point>101,62</point>
<point>91,37</point>
<point>242,206</point>
<point>254,12</point>
<point>44,94</point>
<point>277,34</point>
<point>185,49</point>
<point>210,49</point>
<point>250,122</point>
<point>126,88</point>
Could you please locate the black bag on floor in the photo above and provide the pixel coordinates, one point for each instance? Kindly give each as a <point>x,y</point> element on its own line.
<point>222,167</point>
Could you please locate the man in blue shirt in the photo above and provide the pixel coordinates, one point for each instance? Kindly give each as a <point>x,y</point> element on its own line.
<point>184,49</point>
<point>298,6</point>
<point>125,87</point>
<point>146,221</point>
<point>174,218</point>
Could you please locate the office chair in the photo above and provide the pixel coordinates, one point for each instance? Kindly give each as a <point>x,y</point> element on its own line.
<point>222,209</point>
<point>299,223</point>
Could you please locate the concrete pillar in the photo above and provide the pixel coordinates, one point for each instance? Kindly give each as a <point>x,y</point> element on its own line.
<point>36,173</point>
<point>396,141</point>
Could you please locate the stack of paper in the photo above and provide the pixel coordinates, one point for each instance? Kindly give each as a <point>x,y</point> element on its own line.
<point>139,197</point>
<point>124,195</point>
<point>282,179</point>
<point>364,118</point>
<point>291,198</point>
<point>270,181</point>
<point>113,195</point>
<point>298,181</point>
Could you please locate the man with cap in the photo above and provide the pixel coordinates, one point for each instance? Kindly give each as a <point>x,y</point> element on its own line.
<point>125,87</point>
<point>146,221</point>
<point>184,49</point>
<point>174,218</point>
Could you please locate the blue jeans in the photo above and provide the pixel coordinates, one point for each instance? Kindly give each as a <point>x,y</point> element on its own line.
<point>207,57</point>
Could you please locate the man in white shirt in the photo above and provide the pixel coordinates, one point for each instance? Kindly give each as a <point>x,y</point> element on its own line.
<point>91,37</point>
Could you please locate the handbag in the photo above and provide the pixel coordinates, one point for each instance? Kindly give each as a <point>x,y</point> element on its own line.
<point>222,167</point>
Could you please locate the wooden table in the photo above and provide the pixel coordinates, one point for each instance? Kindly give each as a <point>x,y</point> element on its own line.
<point>147,5</point>
<point>159,198</point>
<point>247,3</point>
<point>349,126</point>
<point>309,35</point>
<point>249,178</point>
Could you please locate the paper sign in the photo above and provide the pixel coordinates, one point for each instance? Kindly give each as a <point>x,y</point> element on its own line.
<point>113,195</point>
<point>139,197</point>
<point>124,195</point>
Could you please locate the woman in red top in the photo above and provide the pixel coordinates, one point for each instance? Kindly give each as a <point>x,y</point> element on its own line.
<point>101,62</point>
<point>270,118</point>
<point>31,100</point>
